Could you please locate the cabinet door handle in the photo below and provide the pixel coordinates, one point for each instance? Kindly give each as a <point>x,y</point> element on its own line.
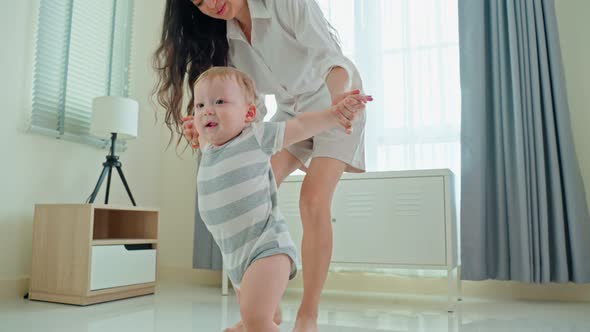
<point>141,246</point>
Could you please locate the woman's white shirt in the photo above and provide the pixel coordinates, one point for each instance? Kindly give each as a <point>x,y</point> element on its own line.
<point>291,51</point>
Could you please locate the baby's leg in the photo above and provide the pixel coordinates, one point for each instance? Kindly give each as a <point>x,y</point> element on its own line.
<point>261,290</point>
<point>239,326</point>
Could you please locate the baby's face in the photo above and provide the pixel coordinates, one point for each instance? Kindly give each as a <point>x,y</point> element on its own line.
<point>221,110</point>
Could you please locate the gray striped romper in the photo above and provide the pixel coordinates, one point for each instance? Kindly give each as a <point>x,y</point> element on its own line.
<point>237,195</point>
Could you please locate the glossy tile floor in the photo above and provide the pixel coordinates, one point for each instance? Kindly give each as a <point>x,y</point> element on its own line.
<point>184,308</point>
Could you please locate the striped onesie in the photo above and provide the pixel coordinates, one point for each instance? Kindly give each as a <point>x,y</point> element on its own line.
<point>237,195</point>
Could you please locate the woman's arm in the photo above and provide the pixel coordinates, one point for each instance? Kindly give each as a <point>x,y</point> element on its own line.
<point>309,124</point>
<point>338,82</point>
<point>309,26</point>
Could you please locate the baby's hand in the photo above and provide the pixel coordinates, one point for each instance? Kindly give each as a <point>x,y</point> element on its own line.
<point>350,107</point>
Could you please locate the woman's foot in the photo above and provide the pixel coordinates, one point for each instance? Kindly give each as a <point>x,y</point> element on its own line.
<point>239,327</point>
<point>305,324</point>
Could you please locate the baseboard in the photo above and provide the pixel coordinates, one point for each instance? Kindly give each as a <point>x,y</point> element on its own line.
<point>189,275</point>
<point>521,291</point>
<point>14,288</point>
<point>358,282</point>
<point>491,289</point>
<point>367,283</point>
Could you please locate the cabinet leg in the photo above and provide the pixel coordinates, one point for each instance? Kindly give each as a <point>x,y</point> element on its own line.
<point>459,284</point>
<point>454,321</point>
<point>224,312</point>
<point>453,288</point>
<point>224,282</point>
<point>450,304</point>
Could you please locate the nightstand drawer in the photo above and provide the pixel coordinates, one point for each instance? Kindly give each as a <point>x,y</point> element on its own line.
<point>118,265</point>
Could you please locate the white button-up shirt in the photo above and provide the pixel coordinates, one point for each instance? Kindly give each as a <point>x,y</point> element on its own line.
<point>291,51</point>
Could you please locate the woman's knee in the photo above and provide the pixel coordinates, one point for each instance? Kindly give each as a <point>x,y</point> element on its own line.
<point>312,201</point>
<point>283,164</point>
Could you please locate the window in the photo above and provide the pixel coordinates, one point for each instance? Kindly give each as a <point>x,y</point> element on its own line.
<point>408,54</point>
<point>82,52</point>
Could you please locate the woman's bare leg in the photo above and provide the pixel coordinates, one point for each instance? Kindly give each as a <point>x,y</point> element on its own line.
<point>283,164</point>
<point>317,191</point>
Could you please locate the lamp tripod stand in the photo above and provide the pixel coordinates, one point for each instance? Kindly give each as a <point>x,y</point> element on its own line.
<point>112,161</point>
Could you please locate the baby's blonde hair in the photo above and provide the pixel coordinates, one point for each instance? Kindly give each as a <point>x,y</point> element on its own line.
<point>243,80</point>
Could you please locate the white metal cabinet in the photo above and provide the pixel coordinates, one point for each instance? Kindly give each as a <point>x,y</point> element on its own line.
<point>389,221</point>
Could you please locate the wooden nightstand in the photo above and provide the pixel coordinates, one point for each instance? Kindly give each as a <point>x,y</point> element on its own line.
<point>89,253</point>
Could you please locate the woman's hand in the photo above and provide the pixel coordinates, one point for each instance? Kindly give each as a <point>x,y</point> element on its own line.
<point>348,105</point>
<point>190,132</point>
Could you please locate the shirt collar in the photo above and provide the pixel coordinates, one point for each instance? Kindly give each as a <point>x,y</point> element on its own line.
<point>258,10</point>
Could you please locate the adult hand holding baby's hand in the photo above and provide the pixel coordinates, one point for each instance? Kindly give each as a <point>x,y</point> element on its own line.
<point>349,107</point>
<point>190,132</point>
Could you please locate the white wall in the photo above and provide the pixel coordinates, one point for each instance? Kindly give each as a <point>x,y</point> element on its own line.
<point>574,25</point>
<point>36,169</point>
<point>39,169</point>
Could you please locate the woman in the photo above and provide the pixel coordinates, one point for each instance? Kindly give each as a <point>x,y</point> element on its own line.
<point>288,48</point>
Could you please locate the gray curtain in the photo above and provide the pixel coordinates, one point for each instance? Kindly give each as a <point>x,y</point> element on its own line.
<point>523,207</point>
<point>206,253</point>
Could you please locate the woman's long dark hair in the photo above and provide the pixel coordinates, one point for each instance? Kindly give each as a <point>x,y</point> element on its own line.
<point>191,43</point>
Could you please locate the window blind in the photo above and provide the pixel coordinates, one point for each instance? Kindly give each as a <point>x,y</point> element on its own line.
<point>82,52</point>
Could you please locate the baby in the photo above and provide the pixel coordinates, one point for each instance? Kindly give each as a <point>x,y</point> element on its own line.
<point>237,190</point>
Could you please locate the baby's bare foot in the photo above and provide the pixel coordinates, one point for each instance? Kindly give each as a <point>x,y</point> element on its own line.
<point>239,327</point>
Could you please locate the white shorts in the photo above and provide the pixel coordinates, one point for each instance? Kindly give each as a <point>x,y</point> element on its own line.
<point>333,143</point>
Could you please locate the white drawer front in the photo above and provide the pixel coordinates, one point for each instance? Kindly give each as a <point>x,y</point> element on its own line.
<point>115,266</point>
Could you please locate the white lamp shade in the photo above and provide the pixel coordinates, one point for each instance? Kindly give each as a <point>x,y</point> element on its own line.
<point>112,114</point>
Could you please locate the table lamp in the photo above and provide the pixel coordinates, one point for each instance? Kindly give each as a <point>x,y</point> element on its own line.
<point>113,117</point>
